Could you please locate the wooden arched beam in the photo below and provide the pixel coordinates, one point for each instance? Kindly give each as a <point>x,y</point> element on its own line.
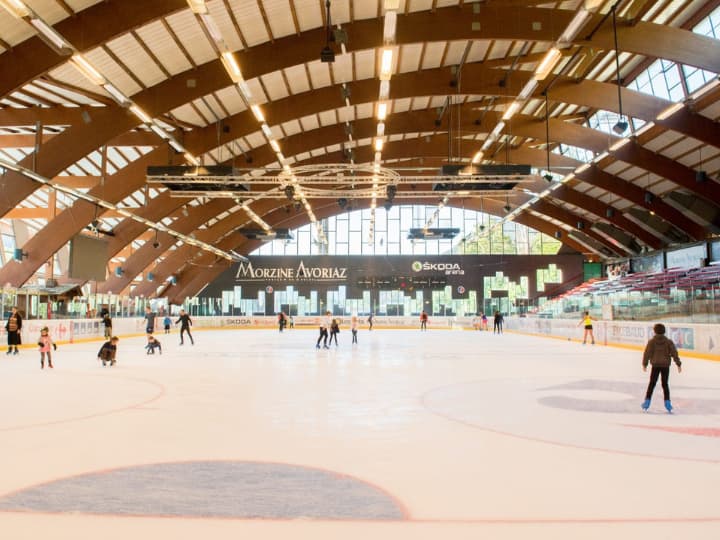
<point>660,41</point>
<point>89,28</point>
<point>136,263</point>
<point>448,23</point>
<point>82,139</point>
<point>597,177</point>
<point>86,29</point>
<point>50,239</point>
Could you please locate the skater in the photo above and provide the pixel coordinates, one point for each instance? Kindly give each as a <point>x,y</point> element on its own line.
<point>108,350</point>
<point>587,321</point>
<point>13,327</point>
<point>354,328</point>
<point>423,321</point>
<point>370,320</point>
<point>281,321</point>
<point>324,325</point>
<point>107,322</point>
<point>150,320</point>
<point>185,325</point>
<point>291,322</point>
<point>45,342</point>
<point>153,344</point>
<point>484,322</point>
<point>497,323</point>
<point>334,331</point>
<point>659,352</point>
<point>167,321</point>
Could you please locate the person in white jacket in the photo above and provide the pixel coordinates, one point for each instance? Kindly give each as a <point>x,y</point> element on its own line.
<point>325,323</point>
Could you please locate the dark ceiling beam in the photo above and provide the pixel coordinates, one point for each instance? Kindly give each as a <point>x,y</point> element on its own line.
<point>597,177</point>
<point>176,260</point>
<point>546,208</point>
<point>593,205</point>
<point>136,263</point>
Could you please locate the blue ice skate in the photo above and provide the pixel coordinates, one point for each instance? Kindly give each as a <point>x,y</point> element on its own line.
<point>668,405</point>
<point>645,405</point>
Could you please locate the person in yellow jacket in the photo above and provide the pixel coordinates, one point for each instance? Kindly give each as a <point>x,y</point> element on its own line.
<point>587,321</point>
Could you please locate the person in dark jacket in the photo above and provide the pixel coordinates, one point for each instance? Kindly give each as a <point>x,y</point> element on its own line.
<point>107,321</point>
<point>13,327</point>
<point>150,320</point>
<point>153,344</point>
<point>497,323</point>
<point>659,352</point>
<point>185,324</point>
<point>108,350</point>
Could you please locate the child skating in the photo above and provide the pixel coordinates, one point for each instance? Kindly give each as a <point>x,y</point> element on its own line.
<point>153,344</point>
<point>167,321</point>
<point>354,328</point>
<point>659,352</point>
<point>108,351</point>
<point>45,342</point>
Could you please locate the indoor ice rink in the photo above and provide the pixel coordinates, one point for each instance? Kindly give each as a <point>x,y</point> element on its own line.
<point>408,434</point>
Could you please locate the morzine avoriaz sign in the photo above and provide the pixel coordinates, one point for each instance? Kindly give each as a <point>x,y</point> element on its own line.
<point>358,273</point>
<point>302,272</point>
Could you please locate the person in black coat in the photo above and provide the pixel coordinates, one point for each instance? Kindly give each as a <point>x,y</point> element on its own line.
<point>185,324</point>
<point>13,327</point>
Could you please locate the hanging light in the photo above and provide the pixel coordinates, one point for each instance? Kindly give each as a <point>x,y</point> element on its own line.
<point>621,126</point>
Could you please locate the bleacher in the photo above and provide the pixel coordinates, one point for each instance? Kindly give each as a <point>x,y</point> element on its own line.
<point>669,284</point>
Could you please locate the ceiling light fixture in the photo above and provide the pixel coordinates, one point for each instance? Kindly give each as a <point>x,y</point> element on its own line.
<point>87,70</point>
<point>548,63</point>
<point>621,126</point>
<point>16,8</point>
<point>386,64</point>
<point>327,55</point>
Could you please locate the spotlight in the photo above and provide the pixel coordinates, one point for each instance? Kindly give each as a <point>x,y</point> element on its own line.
<point>621,127</point>
<point>700,177</point>
<point>649,197</point>
<point>290,192</point>
<point>327,55</point>
<point>548,177</point>
<point>298,205</point>
<point>342,202</point>
<point>156,244</point>
<point>507,208</point>
<point>388,205</point>
<point>95,223</point>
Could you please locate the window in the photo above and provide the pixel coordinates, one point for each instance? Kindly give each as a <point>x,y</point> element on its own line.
<point>480,233</point>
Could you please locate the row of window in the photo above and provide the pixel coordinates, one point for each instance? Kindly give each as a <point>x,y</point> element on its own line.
<point>349,233</point>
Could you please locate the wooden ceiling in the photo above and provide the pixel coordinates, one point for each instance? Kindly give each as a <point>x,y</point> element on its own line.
<point>457,67</point>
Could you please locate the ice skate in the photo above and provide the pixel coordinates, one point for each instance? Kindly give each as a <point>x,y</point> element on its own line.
<point>668,406</point>
<point>645,405</point>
